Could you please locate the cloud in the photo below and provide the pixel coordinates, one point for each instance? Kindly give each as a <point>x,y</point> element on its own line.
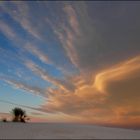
<point>111,97</point>
<point>60,83</point>
<point>118,73</point>
<point>21,14</point>
<point>38,34</point>
<point>75,33</point>
<point>78,31</point>
<point>99,90</point>
<point>35,113</point>
<point>72,18</point>
<point>70,33</point>
<point>9,32</point>
<point>66,36</point>
<point>21,85</point>
<point>37,52</point>
<point>78,37</point>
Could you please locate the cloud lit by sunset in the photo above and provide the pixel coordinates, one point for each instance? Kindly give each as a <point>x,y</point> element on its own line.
<point>71,61</point>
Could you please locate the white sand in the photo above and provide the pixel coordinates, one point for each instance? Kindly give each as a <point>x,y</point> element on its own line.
<point>63,131</point>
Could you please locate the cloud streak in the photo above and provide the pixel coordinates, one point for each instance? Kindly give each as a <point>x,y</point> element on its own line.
<point>21,85</point>
<point>7,30</point>
<point>35,51</point>
<point>21,15</point>
<point>62,84</point>
<point>113,87</point>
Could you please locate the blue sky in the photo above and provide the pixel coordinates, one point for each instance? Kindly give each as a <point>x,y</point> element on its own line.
<point>70,59</point>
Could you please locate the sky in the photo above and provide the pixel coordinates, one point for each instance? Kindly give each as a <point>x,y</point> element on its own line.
<point>71,61</point>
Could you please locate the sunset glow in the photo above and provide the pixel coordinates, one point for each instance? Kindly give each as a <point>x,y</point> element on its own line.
<point>71,61</point>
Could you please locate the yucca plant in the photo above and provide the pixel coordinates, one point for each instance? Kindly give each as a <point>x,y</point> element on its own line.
<point>19,115</point>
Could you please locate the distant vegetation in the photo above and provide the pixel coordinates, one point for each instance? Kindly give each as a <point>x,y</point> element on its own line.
<point>19,115</point>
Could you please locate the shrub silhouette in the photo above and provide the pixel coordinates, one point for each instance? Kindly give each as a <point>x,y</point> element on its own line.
<point>19,115</point>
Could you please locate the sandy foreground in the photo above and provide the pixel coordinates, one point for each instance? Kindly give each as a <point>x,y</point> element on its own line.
<point>63,131</point>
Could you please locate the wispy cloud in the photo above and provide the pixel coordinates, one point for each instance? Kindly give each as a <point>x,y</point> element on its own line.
<point>67,35</point>
<point>78,37</point>
<point>21,15</point>
<point>21,85</point>
<point>118,82</point>
<point>62,84</point>
<point>72,18</point>
<point>9,32</point>
<point>74,34</point>
<point>35,51</point>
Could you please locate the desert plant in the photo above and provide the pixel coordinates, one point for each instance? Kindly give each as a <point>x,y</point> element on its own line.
<point>19,115</point>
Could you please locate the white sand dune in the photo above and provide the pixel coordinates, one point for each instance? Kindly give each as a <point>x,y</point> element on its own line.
<point>63,131</point>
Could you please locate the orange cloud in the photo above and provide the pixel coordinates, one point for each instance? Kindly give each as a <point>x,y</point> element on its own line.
<point>112,97</point>
<point>118,72</point>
